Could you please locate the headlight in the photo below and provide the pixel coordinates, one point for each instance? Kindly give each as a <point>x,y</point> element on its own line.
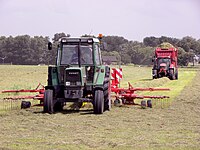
<point>78,83</point>
<point>90,41</point>
<point>67,83</point>
<point>64,40</point>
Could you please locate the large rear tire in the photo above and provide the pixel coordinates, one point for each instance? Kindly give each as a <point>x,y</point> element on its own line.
<point>48,102</point>
<point>176,75</point>
<point>171,74</point>
<point>107,99</point>
<point>98,102</point>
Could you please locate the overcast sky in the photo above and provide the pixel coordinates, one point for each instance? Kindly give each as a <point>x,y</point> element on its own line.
<point>132,19</point>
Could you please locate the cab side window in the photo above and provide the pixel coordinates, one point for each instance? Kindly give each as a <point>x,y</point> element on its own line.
<point>97,55</point>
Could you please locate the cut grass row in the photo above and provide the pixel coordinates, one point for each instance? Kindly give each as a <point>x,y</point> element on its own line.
<point>22,77</point>
<point>121,128</point>
<point>28,77</point>
<point>19,77</point>
<point>141,77</point>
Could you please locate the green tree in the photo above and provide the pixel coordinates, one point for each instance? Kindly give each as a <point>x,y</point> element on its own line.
<point>151,41</point>
<point>187,43</point>
<point>113,42</point>
<point>57,36</point>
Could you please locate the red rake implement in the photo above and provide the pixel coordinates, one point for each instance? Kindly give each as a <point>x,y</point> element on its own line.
<point>127,95</point>
<point>40,96</point>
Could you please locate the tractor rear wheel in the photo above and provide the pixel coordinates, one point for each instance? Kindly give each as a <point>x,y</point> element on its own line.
<point>107,100</point>
<point>48,101</point>
<point>98,102</point>
<point>176,75</point>
<point>171,74</point>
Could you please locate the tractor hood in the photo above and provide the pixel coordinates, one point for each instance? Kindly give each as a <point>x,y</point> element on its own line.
<point>74,76</point>
<point>163,65</point>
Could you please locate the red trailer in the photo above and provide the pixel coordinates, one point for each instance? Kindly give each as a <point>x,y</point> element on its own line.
<point>165,63</point>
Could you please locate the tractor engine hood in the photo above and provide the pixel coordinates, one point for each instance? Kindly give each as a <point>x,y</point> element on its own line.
<point>163,68</point>
<point>163,65</point>
<point>74,76</point>
<point>74,79</point>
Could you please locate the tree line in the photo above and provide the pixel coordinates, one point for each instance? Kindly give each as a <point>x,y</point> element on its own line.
<point>141,53</point>
<point>27,50</point>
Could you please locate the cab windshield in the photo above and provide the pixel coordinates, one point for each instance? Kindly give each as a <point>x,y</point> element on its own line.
<point>69,54</point>
<point>165,61</point>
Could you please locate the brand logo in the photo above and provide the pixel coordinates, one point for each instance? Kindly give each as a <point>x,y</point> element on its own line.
<point>73,72</point>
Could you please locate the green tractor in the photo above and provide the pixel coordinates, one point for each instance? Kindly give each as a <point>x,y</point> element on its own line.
<point>78,76</point>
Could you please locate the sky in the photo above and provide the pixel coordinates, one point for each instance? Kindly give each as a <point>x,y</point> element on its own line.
<point>132,19</point>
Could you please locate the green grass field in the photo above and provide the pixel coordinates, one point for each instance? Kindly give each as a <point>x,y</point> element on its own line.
<point>28,77</point>
<point>19,77</point>
<point>173,127</point>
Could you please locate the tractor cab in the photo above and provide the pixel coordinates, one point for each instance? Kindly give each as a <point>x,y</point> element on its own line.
<point>165,62</point>
<point>78,75</point>
<point>163,65</point>
<point>79,51</point>
<point>81,54</point>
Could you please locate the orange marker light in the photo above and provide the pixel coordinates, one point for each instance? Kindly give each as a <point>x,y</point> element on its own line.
<point>100,36</point>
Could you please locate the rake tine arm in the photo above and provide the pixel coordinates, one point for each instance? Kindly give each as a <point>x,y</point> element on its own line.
<point>150,89</point>
<point>129,95</point>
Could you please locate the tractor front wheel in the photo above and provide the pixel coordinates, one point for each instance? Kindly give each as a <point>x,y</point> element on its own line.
<point>154,74</point>
<point>58,106</point>
<point>98,102</point>
<point>48,101</point>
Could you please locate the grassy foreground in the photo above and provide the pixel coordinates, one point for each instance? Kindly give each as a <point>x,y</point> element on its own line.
<point>19,77</point>
<point>174,127</point>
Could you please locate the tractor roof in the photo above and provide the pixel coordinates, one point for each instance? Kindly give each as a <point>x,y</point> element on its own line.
<point>81,39</point>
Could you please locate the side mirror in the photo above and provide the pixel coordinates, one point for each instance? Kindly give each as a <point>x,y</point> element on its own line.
<point>153,59</point>
<point>49,46</point>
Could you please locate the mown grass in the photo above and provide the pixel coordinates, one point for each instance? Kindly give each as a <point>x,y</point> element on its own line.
<point>141,77</point>
<point>22,77</point>
<point>19,77</point>
<point>174,127</point>
<point>28,77</point>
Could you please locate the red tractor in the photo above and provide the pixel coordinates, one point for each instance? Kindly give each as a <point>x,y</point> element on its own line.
<point>165,62</point>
